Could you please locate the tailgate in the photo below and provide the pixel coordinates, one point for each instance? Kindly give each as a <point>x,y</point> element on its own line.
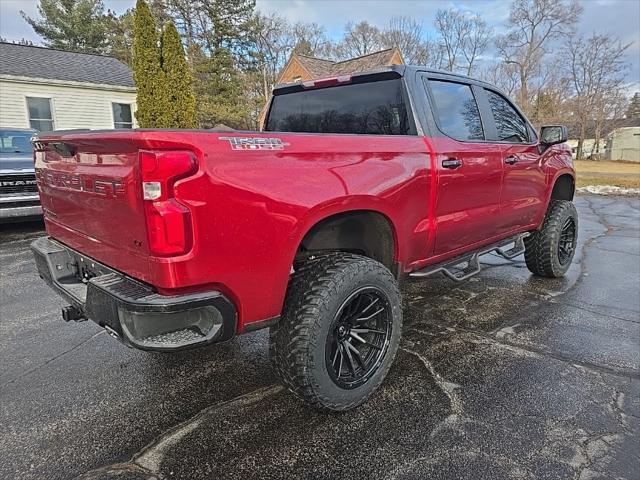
<point>91,187</point>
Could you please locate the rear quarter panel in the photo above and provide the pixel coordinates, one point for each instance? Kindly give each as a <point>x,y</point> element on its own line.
<point>253,207</point>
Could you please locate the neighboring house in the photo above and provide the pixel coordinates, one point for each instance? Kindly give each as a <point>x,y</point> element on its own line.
<point>48,89</point>
<point>624,144</point>
<point>301,67</point>
<point>588,148</point>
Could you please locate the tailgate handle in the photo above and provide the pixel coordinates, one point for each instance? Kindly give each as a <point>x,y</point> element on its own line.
<point>64,149</point>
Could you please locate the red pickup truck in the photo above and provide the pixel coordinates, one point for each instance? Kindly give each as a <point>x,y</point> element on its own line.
<point>173,239</point>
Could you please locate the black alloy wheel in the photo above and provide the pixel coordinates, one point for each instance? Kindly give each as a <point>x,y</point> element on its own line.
<point>358,337</point>
<point>339,331</point>
<point>550,249</point>
<point>566,243</point>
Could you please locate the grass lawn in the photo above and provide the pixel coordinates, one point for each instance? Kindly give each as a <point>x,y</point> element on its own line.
<point>620,174</point>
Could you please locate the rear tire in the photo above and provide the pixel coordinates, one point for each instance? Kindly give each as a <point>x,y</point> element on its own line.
<point>324,348</point>
<point>550,250</point>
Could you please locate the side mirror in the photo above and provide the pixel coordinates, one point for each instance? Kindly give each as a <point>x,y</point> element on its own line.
<point>553,134</point>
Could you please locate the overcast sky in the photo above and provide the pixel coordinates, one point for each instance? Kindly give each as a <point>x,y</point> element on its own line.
<point>614,17</point>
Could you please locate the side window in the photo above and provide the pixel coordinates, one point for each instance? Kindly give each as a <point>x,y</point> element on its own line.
<point>456,110</point>
<point>510,125</point>
<point>40,117</point>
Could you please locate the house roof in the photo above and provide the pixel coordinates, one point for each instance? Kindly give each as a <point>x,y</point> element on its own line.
<point>47,63</point>
<point>319,67</point>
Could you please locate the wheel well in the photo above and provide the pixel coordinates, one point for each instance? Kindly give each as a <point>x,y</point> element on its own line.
<point>363,232</point>
<point>564,188</point>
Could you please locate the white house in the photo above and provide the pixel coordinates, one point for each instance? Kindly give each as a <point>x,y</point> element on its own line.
<point>48,89</point>
<point>624,144</point>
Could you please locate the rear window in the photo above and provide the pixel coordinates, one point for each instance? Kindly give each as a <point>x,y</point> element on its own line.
<point>15,141</point>
<point>374,108</point>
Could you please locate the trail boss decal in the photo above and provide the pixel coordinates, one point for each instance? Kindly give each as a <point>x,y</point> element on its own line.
<point>255,143</point>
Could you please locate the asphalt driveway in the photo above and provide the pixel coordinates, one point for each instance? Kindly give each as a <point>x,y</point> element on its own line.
<point>504,376</point>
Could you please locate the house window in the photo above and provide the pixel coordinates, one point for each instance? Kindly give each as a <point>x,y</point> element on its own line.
<point>40,117</point>
<point>122,115</point>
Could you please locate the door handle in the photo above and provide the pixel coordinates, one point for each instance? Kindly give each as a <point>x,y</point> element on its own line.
<point>511,160</point>
<point>451,163</point>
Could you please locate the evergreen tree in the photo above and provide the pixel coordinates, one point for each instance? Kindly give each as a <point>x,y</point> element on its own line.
<point>182,108</point>
<point>152,102</point>
<point>75,25</point>
<point>219,90</point>
<point>634,106</point>
<point>219,58</point>
<point>120,35</point>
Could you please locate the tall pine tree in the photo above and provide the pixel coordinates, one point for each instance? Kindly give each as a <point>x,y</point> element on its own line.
<point>182,108</point>
<point>218,62</point>
<point>152,99</point>
<point>75,25</point>
<point>633,111</point>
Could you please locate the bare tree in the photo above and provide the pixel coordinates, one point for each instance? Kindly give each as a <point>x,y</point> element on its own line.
<point>463,38</point>
<point>596,70</point>
<point>405,34</point>
<point>452,26</point>
<point>312,40</point>
<point>408,36</point>
<point>274,40</point>
<point>359,39</point>
<point>502,75</point>
<point>534,24</point>
<point>479,34</point>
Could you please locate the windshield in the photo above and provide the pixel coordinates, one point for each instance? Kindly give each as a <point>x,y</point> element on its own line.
<point>15,141</point>
<point>374,108</point>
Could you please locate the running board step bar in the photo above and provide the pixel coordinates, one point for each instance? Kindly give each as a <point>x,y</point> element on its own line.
<point>466,266</point>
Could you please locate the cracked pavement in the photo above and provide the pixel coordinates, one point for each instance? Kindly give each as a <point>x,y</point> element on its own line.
<point>504,376</point>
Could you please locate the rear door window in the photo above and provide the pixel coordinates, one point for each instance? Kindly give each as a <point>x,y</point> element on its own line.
<point>374,108</point>
<point>511,126</point>
<point>456,110</point>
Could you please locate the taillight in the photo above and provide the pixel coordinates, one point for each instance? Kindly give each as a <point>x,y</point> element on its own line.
<point>169,229</point>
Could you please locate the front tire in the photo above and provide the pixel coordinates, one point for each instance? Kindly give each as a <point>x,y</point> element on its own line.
<point>339,331</point>
<point>550,250</point>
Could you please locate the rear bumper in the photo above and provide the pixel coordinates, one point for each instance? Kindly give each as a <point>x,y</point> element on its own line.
<point>130,310</point>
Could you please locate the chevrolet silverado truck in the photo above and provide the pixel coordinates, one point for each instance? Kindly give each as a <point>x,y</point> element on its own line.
<point>19,198</point>
<point>172,239</point>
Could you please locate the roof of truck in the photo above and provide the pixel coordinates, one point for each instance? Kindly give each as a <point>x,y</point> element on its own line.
<point>401,70</point>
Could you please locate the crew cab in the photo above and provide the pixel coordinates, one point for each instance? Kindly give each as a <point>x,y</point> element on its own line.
<point>172,239</point>
<point>18,190</point>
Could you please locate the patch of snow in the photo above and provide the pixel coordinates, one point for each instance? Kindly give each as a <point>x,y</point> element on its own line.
<point>609,190</point>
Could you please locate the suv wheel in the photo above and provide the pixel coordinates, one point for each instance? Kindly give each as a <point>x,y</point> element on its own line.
<point>550,250</point>
<point>339,331</point>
